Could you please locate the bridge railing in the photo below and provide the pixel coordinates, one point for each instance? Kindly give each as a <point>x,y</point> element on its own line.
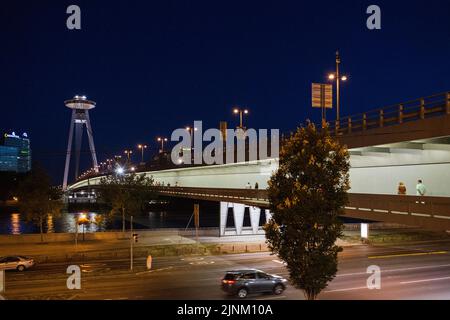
<point>425,207</point>
<point>413,110</point>
<point>215,193</point>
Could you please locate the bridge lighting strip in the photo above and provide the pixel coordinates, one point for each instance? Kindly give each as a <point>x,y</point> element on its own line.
<point>421,214</point>
<point>441,217</point>
<point>364,209</point>
<point>399,212</point>
<point>382,211</point>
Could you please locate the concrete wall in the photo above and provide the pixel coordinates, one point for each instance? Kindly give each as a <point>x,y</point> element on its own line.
<point>234,175</point>
<point>381,172</point>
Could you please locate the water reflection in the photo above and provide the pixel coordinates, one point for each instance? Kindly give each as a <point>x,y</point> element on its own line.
<point>50,226</point>
<point>15,223</point>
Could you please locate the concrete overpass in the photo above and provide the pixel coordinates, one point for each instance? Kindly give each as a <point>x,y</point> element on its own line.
<point>405,142</point>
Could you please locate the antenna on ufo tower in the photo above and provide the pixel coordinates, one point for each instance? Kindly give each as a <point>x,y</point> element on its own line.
<point>80,116</point>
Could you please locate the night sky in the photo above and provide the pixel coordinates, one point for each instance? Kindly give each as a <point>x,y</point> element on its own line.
<point>153,66</point>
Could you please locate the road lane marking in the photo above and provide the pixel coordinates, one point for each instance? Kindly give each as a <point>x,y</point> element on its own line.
<point>395,270</point>
<point>278,261</point>
<point>346,289</point>
<point>408,255</point>
<point>425,280</point>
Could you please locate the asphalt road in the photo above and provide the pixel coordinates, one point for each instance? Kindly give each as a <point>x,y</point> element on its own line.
<point>414,271</point>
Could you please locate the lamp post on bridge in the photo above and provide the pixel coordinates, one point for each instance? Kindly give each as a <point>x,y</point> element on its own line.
<point>142,147</point>
<point>338,78</point>
<point>241,112</point>
<point>162,140</point>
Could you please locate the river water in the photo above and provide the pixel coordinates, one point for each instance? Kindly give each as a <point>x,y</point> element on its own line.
<point>16,223</point>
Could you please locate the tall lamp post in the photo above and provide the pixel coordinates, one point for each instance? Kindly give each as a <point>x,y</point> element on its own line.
<point>338,78</point>
<point>162,140</point>
<point>241,112</point>
<point>128,153</point>
<point>83,220</point>
<point>142,147</point>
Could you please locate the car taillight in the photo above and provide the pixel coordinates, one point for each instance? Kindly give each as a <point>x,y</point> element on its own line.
<point>228,281</point>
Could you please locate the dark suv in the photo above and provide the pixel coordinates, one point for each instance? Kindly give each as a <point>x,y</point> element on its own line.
<point>243,282</point>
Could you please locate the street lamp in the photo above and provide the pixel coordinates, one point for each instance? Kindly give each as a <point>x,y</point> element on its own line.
<point>338,78</point>
<point>191,131</point>
<point>240,111</point>
<point>83,219</point>
<point>142,147</point>
<point>162,140</point>
<point>128,153</point>
<point>119,170</point>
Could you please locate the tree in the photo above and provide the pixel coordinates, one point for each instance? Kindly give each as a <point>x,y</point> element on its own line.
<point>126,193</point>
<point>38,199</point>
<point>307,194</point>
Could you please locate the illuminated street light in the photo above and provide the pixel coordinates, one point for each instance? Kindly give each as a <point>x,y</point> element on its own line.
<point>240,112</point>
<point>83,220</point>
<point>128,153</point>
<point>162,140</point>
<point>338,78</point>
<point>142,147</point>
<point>119,170</point>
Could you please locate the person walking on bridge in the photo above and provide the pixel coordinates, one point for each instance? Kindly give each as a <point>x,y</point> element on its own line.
<point>420,187</point>
<point>401,189</point>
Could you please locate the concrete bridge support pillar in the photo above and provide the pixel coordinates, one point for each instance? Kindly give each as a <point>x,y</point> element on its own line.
<point>238,213</point>
<point>255,212</point>
<point>223,217</point>
<point>238,217</point>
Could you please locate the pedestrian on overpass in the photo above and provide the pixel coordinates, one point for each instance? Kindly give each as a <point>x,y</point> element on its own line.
<point>401,189</point>
<point>256,185</point>
<point>420,188</point>
<point>248,186</point>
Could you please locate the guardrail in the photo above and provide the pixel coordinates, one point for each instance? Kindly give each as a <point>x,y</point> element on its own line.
<point>413,110</point>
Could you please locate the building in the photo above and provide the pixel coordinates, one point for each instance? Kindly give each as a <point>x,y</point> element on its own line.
<point>15,153</point>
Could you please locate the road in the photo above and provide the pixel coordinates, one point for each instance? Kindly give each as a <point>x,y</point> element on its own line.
<point>413,271</point>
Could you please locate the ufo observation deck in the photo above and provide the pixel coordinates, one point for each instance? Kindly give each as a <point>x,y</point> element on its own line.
<point>80,103</point>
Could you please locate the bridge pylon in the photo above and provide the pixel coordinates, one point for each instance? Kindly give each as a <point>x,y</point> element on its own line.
<point>80,117</point>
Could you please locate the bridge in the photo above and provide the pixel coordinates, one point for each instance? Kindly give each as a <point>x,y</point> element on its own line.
<point>404,142</point>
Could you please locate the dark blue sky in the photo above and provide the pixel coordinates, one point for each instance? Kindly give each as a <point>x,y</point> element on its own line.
<point>153,66</point>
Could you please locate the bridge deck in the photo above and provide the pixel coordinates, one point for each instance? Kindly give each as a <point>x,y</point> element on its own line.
<point>431,213</point>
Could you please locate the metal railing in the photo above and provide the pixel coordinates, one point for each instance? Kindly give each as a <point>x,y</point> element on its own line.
<point>413,110</point>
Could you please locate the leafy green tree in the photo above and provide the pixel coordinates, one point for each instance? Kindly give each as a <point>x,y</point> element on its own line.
<point>38,199</point>
<point>307,194</point>
<point>126,193</point>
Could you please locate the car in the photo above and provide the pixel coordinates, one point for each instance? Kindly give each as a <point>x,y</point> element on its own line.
<point>243,282</point>
<point>19,263</point>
